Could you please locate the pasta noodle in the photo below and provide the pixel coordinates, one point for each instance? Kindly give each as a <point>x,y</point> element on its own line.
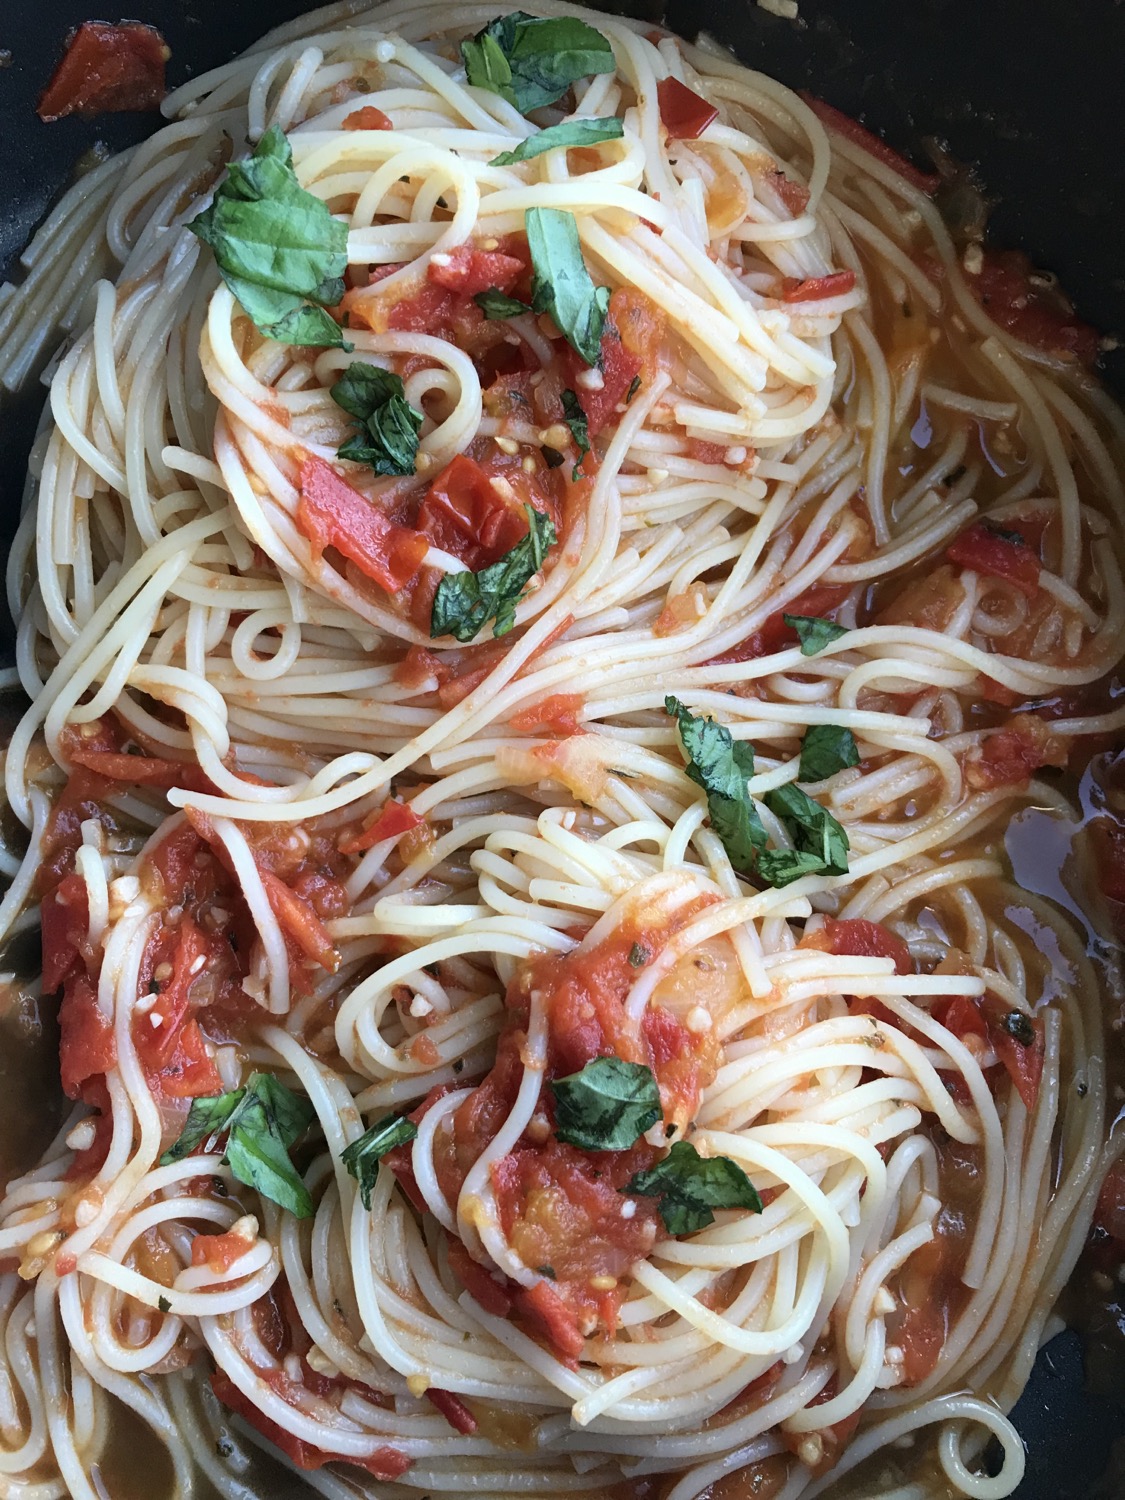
<point>429,878</point>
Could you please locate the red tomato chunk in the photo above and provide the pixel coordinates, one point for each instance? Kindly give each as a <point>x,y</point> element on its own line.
<point>333,514</point>
<point>106,69</point>
<point>683,113</point>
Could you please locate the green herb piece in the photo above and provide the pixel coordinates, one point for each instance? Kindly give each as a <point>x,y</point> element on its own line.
<point>722,766</point>
<point>531,61</point>
<point>575,419</point>
<point>690,1186</point>
<point>465,602</point>
<point>277,246</point>
<point>363,1156</point>
<point>1004,534</point>
<point>548,1272</point>
<point>821,845</point>
<point>826,749</point>
<point>634,387</point>
<point>163,1305</point>
<point>570,133</point>
<point>497,304</point>
<point>1018,1026</point>
<point>261,1122</point>
<point>813,632</point>
<point>639,955</point>
<point>561,285</point>
<point>389,425</point>
<point>606,1106</point>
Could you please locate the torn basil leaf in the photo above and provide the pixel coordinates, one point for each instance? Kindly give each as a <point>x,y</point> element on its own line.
<point>813,632</point>
<point>497,304</point>
<point>362,1157</point>
<point>261,1122</point>
<point>820,842</point>
<point>532,60</point>
<point>465,602</point>
<point>722,766</point>
<point>690,1187</point>
<point>389,425</point>
<point>826,749</point>
<point>607,1106</point>
<point>561,285</point>
<point>570,133</point>
<point>575,419</point>
<point>277,247</point>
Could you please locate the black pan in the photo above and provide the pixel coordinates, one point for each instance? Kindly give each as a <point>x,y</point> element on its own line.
<point>1029,90</point>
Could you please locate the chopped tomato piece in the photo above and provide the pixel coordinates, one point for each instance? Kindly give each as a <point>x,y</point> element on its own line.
<point>1022,1056</point>
<point>385,1463</point>
<point>546,1311</point>
<point>618,368</point>
<point>86,1044</point>
<point>189,1072</point>
<point>93,1092</point>
<point>1029,308</point>
<point>64,917</point>
<point>859,135</point>
<point>141,770</point>
<point>156,1030</point>
<point>453,1409</point>
<point>368,117</point>
<point>466,515</point>
<point>468,271</point>
<point>106,69</point>
<point>558,713</point>
<point>855,937</point>
<point>773,634</point>
<point>813,288</point>
<point>219,1251</point>
<point>987,551</point>
<point>296,917</point>
<point>333,514</point>
<point>792,194</point>
<point>1010,755</point>
<point>960,1015</point>
<point>683,113</point>
<point>396,817</point>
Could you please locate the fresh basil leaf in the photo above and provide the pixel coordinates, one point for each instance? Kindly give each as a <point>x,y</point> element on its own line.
<point>826,749</point>
<point>813,632</point>
<point>497,304</point>
<point>690,1186</point>
<point>607,1106</point>
<point>206,1117</point>
<point>389,425</point>
<point>722,766</point>
<point>561,284</point>
<point>465,602</point>
<point>277,246</point>
<point>815,833</point>
<point>575,419</point>
<point>257,1156</point>
<point>531,60</point>
<point>570,133</point>
<point>163,1305</point>
<point>262,1121</point>
<point>363,1156</point>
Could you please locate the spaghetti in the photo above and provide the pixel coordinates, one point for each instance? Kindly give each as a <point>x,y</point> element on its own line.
<point>530,675</point>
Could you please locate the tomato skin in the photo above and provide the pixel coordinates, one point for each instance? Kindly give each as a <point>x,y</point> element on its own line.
<point>986,552</point>
<point>453,1409</point>
<point>960,1015</point>
<point>94,1093</point>
<point>814,288</point>
<point>859,135</point>
<point>106,69</point>
<point>1005,287</point>
<point>1012,754</point>
<point>331,513</point>
<point>189,1072</point>
<point>298,920</point>
<point>478,1281</point>
<point>683,113</point>
<point>468,271</point>
<point>385,1463</point>
<point>368,117</point>
<point>142,770</point>
<point>396,817</point>
<point>985,1018</point>
<point>86,1046</point>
